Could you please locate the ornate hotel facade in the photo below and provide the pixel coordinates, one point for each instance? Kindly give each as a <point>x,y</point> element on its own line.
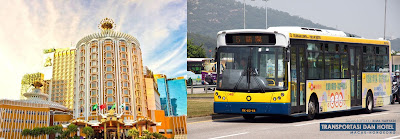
<point>62,82</point>
<point>109,70</point>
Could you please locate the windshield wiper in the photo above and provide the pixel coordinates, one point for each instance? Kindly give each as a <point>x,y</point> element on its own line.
<point>254,73</point>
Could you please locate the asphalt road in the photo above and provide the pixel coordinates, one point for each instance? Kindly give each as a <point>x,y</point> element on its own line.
<point>293,127</point>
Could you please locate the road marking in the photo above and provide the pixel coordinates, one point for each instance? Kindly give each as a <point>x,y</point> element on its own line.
<point>393,137</point>
<point>215,120</point>
<point>310,123</point>
<point>368,115</point>
<point>229,135</point>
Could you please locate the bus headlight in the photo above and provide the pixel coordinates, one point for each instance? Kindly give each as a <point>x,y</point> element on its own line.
<point>282,94</point>
<point>279,98</point>
<point>216,93</point>
<point>274,98</point>
<point>223,98</point>
<point>219,97</point>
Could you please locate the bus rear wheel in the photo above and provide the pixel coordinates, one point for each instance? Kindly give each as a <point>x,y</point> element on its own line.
<point>369,103</point>
<point>248,117</point>
<point>312,108</point>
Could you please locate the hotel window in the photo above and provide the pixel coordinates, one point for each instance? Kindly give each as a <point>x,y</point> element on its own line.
<point>108,54</point>
<point>125,84</point>
<point>109,107</point>
<point>123,62</point>
<point>108,68</point>
<point>125,77</point>
<point>127,108</point>
<point>109,83</point>
<point>110,99</point>
<point>109,76</point>
<point>94,77</point>
<point>126,100</point>
<point>108,62</point>
<point>124,69</point>
<point>108,47</point>
<point>94,56</point>
<point>109,91</point>
<point>94,49</point>
<point>93,85</point>
<point>123,55</point>
<point>123,49</point>
<point>94,63</point>
<point>125,91</point>
<point>94,70</point>
<point>93,92</point>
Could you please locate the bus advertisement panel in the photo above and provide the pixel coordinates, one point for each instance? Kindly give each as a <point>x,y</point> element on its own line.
<point>333,94</point>
<point>380,85</point>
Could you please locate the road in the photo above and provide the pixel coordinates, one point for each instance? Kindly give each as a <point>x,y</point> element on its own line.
<point>292,127</point>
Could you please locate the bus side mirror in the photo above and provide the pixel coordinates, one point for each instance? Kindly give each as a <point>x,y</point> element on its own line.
<point>287,55</point>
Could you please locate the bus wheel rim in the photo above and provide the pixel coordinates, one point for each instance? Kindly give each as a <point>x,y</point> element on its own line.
<point>369,103</point>
<point>311,107</point>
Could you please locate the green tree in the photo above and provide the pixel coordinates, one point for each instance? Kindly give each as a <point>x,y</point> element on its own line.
<point>26,132</point>
<point>88,131</point>
<point>194,51</point>
<point>158,135</point>
<point>134,133</point>
<point>58,129</point>
<point>72,128</point>
<point>145,135</point>
<point>37,131</point>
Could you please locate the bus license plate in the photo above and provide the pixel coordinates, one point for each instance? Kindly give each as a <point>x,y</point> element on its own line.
<point>248,110</point>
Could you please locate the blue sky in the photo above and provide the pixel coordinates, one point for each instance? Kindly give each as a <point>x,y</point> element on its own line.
<point>28,27</point>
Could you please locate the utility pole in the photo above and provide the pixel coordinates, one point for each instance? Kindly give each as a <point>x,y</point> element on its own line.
<point>384,26</point>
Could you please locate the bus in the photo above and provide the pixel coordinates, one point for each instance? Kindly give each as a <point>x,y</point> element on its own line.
<point>299,71</point>
<point>201,67</point>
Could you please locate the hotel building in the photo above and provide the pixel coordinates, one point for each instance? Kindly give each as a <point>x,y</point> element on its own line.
<point>109,71</point>
<point>35,111</point>
<point>62,82</point>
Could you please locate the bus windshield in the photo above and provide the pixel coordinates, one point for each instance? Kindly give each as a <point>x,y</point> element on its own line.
<point>252,69</point>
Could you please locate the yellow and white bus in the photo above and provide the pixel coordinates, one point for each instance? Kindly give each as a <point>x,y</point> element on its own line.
<point>297,70</point>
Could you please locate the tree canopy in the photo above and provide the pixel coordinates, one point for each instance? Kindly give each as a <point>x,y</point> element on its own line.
<point>195,51</point>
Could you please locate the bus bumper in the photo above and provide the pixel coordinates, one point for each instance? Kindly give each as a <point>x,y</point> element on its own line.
<point>260,108</point>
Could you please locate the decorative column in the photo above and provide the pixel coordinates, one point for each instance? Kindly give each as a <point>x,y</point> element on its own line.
<point>118,129</point>
<point>105,130</point>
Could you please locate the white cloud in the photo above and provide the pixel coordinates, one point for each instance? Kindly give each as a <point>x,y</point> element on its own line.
<point>28,27</point>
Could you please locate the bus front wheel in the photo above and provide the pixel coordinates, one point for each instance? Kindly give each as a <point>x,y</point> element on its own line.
<point>249,118</point>
<point>369,103</point>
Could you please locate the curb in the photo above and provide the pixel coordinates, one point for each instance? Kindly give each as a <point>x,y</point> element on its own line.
<point>200,97</point>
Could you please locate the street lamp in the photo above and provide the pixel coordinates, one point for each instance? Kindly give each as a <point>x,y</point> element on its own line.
<point>244,14</point>
<point>384,26</point>
<point>266,14</point>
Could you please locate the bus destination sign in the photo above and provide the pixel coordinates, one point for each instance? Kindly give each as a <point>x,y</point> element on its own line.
<point>250,39</point>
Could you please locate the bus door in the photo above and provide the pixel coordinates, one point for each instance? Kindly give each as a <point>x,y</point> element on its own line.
<point>298,78</point>
<point>355,75</point>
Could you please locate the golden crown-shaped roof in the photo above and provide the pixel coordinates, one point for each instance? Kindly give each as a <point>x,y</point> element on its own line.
<point>106,24</point>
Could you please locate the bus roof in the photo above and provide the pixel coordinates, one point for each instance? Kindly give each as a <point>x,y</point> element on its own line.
<point>323,35</point>
<point>294,32</point>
